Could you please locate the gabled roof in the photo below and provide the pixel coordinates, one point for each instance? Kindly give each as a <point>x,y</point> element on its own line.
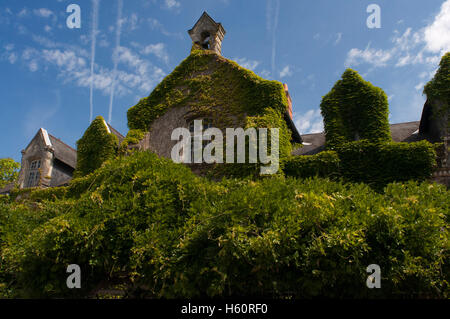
<point>207,19</point>
<point>116,133</point>
<point>400,132</point>
<point>64,152</point>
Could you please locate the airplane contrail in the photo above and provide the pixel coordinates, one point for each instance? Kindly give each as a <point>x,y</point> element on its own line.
<point>95,5</point>
<point>115,57</point>
<point>274,35</point>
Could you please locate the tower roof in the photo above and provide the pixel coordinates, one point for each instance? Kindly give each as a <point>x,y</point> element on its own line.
<point>207,34</point>
<point>206,20</point>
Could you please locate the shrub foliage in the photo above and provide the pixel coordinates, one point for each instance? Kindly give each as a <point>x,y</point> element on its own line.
<point>323,164</point>
<point>378,164</point>
<point>95,147</point>
<point>439,87</point>
<point>156,230</point>
<point>9,171</point>
<point>355,109</point>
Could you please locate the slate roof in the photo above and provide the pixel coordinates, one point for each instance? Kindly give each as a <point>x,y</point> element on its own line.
<point>116,133</point>
<point>64,152</point>
<point>401,132</point>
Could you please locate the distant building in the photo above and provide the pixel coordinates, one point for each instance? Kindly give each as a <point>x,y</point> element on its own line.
<point>48,162</point>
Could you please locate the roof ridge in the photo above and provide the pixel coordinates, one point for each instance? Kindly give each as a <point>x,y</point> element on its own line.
<point>62,142</point>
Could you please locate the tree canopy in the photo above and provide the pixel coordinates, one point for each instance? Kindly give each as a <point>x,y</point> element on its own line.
<point>9,170</point>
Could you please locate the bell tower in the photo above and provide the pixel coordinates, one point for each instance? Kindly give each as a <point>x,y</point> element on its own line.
<point>207,34</point>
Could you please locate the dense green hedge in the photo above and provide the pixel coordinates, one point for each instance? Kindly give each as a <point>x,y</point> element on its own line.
<point>378,164</point>
<point>324,164</point>
<point>439,87</point>
<point>373,163</point>
<point>355,109</point>
<point>160,231</point>
<point>95,147</point>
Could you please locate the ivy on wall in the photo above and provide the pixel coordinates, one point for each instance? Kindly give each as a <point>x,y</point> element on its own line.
<point>378,164</point>
<point>354,109</point>
<point>374,163</point>
<point>133,137</point>
<point>203,81</point>
<point>323,164</point>
<point>95,147</point>
<point>219,89</point>
<point>439,87</point>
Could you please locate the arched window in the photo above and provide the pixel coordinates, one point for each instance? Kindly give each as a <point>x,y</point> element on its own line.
<point>33,175</point>
<point>205,40</point>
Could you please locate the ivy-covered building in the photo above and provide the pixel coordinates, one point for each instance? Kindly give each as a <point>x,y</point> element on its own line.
<point>431,127</point>
<point>208,87</point>
<point>49,162</point>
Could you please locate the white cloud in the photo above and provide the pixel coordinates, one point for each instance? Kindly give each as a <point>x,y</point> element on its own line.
<point>12,58</point>
<point>369,55</point>
<point>156,25</point>
<point>286,71</point>
<point>9,47</point>
<point>246,63</point>
<point>23,12</point>
<point>338,38</point>
<point>172,4</point>
<point>309,122</point>
<point>132,21</point>
<point>43,12</point>
<point>138,75</point>
<point>425,46</point>
<point>420,86</point>
<point>33,66</point>
<point>159,50</point>
<point>437,34</point>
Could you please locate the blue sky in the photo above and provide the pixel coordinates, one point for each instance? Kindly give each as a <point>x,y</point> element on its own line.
<point>46,79</point>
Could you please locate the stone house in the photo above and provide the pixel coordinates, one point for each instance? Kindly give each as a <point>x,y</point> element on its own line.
<point>48,162</point>
<point>208,87</point>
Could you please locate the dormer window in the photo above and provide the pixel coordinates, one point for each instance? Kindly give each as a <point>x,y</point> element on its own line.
<point>34,175</point>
